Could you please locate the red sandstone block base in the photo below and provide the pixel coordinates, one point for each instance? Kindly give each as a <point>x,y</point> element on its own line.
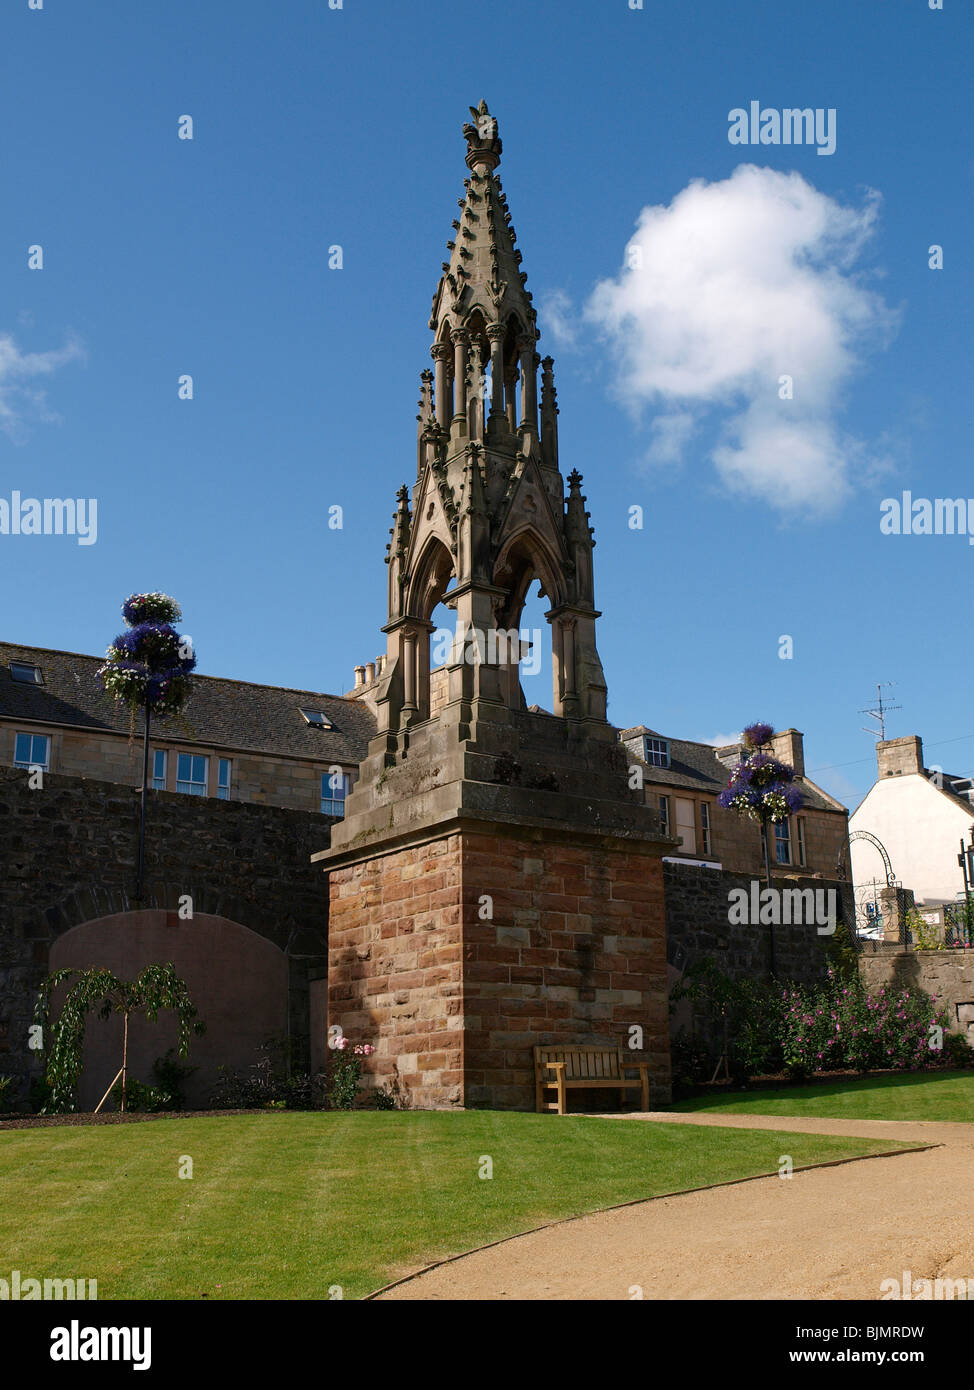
<point>456,957</point>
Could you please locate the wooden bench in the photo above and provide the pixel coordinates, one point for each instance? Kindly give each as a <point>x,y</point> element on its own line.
<point>566,1068</point>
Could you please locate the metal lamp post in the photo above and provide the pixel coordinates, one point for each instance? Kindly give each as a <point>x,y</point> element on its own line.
<point>147,711</point>
<point>966,861</point>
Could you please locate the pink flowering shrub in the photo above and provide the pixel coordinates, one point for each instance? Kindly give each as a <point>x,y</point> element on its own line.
<point>344,1072</point>
<point>836,1026</point>
<point>840,1025</point>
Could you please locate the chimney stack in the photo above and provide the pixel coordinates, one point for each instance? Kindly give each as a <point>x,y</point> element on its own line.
<point>369,672</point>
<point>899,757</point>
<point>359,676</point>
<point>789,747</point>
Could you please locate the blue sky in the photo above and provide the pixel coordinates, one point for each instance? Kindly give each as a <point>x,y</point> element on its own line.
<point>315,127</point>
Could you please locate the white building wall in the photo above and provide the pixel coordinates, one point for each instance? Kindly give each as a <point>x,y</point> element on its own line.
<point>921,828</point>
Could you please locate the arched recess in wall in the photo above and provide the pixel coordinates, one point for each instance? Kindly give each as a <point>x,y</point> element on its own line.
<point>237,979</point>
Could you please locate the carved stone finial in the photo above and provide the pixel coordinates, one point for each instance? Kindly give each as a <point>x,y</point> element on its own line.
<point>483,142</point>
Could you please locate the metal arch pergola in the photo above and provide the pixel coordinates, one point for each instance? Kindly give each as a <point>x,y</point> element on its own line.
<point>877,845</point>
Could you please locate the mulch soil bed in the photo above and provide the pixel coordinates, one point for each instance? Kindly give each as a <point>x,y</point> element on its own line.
<point>90,1118</point>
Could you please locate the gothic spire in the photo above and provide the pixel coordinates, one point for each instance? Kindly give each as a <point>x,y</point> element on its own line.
<point>484,266</point>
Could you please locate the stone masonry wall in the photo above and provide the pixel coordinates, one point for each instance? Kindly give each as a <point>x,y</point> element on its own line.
<point>457,956</point>
<point>68,855</point>
<point>697,925</point>
<point>575,953</point>
<point>395,977</point>
<point>947,974</point>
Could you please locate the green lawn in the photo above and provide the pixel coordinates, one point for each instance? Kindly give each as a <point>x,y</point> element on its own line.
<point>287,1205</point>
<point>913,1096</point>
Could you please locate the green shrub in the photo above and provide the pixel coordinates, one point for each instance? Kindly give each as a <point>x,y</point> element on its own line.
<point>690,1060</point>
<point>751,1010</point>
<point>926,935</point>
<point>265,1085</point>
<point>171,1075</point>
<point>957,1051</point>
<point>40,1095</point>
<point>140,1097</point>
<point>838,1025</point>
<point>344,1071</point>
<point>842,951</point>
<point>6,1097</point>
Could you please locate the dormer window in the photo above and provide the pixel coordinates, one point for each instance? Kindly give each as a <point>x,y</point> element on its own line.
<point>26,673</point>
<point>656,751</point>
<point>316,719</point>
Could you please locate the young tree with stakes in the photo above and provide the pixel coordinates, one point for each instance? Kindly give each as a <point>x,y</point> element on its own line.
<point>148,669</point>
<point>763,789</point>
<point>157,987</point>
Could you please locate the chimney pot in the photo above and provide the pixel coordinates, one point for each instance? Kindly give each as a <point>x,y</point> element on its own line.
<point>369,672</point>
<point>359,676</point>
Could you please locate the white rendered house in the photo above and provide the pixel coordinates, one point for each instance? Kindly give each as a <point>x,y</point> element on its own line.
<point>920,815</point>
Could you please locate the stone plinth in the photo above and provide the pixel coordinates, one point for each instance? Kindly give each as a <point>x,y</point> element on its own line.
<point>472,920</point>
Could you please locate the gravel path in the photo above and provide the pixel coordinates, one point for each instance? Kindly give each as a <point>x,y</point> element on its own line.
<point>831,1233</point>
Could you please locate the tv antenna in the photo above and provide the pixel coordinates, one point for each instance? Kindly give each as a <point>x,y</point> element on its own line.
<point>879,712</point>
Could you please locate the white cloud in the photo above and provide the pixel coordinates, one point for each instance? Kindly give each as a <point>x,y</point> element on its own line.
<point>559,316</point>
<point>733,286</point>
<point>20,399</point>
<point>723,740</point>
<point>670,433</point>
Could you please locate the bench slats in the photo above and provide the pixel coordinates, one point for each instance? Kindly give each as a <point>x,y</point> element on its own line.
<point>583,1066</point>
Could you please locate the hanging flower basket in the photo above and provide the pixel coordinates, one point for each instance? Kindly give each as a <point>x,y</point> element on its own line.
<point>150,608</point>
<point>149,666</point>
<point>761,787</point>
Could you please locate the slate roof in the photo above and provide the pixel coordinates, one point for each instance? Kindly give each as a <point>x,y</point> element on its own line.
<point>956,787</point>
<point>697,767</point>
<point>219,714</point>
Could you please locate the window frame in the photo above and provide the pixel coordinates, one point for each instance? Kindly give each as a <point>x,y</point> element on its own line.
<point>652,754</point>
<point>782,839</point>
<point>223,788</point>
<point>183,782</point>
<point>706,829</point>
<point>316,718</point>
<point>44,766</point>
<point>664,813</point>
<point>36,679</point>
<point>800,842</point>
<point>158,753</point>
<point>332,798</point>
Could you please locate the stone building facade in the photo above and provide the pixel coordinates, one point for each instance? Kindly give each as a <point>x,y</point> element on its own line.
<point>234,741</point>
<point>921,815</point>
<point>719,852</point>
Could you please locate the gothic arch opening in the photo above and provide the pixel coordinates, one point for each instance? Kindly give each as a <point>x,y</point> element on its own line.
<point>430,642</point>
<point>430,579</point>
<point>513,393</point>
<point>528,571</point>
<point>479,375</point>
